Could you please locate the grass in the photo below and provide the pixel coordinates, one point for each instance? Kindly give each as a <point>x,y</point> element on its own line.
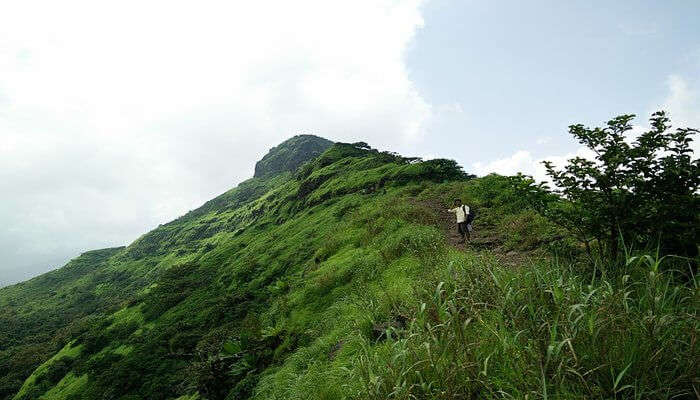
<point>66,388</point>
<point>338,282</point>
<point>69,351</point>
<point>539,332</point>
<point>486,330</point>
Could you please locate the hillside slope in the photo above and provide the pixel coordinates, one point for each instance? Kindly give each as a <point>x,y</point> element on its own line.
<point>339,280</point>
<point>40,316</point>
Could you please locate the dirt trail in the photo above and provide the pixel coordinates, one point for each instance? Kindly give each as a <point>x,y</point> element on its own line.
<point>484,236</point>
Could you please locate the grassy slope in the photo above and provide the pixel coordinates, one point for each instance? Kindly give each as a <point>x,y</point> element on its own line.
<point>341,282</point>
<point>40,316</point>
<point>68,352</point>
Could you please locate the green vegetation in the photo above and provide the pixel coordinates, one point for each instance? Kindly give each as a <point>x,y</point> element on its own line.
<point>631,194</point>
<point>41,316</point>
<point>340,279</point>
<point>288,156</point>
<point>51,372</point>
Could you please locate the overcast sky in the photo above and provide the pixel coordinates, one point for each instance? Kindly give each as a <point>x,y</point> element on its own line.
<point>118,116</point>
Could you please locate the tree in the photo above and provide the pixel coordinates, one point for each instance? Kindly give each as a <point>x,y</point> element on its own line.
<point>641,191</point>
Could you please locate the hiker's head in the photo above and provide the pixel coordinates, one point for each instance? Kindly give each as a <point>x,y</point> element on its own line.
<point>457,202</point>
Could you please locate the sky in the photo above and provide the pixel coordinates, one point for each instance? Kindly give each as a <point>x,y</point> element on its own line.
<point>119,116</point>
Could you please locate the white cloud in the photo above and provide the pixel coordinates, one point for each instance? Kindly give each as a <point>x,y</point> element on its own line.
<point>117,116</point>
<point>542,140</point>
<point>682,105</point>
<point>523,161</point>
<point>520,161</point>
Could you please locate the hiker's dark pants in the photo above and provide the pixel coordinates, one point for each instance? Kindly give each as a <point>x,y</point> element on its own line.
<point>463,229</point>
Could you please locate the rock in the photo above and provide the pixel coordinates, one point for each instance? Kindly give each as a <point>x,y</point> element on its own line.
<point>290,154</point>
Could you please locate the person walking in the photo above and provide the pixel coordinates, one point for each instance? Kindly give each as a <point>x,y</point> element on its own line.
<point>463,224</point>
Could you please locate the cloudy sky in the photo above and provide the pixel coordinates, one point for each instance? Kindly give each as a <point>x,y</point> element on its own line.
<point>118,116</point>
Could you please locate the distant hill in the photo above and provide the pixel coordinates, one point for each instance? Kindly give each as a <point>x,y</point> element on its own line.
<point>335,273</point>
<point>290,154</point>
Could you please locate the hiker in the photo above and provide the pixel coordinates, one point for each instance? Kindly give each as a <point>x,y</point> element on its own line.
<point>464,226</point>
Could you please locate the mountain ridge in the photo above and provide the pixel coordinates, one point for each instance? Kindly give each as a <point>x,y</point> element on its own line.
<point>290,154</point>
<point>119,273</point>
<point>341,279</point>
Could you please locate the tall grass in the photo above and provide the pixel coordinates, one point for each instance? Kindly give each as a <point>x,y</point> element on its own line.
<point>489,331</point>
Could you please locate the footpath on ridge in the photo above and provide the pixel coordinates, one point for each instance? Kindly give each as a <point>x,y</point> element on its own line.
<point>485,236</point>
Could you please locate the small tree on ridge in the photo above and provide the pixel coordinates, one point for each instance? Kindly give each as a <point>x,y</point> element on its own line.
<point>643,192</point>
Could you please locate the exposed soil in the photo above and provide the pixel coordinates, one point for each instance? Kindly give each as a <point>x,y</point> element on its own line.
<point>483,236</point>
<point>335,349</point>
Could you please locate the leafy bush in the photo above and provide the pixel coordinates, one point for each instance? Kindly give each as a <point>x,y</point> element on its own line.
<point>637,193</point>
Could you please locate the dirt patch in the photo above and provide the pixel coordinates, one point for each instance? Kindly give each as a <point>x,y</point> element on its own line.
<point>335,349</point>
<point>481,237</point>
<point>484,236</point>
<point>396,323</point>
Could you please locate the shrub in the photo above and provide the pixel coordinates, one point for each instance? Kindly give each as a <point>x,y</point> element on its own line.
<point>637,193</point>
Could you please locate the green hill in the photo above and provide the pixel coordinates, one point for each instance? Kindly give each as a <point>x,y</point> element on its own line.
<point>334,273</point>
<point>289,156</point>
